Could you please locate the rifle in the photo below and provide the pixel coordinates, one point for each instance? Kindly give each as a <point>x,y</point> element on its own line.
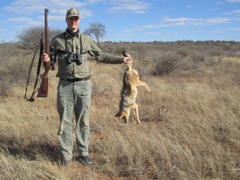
<point>43,90</point>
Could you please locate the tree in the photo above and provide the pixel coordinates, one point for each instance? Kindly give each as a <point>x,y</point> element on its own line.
<point>97,29</point>
<point>30,36</point>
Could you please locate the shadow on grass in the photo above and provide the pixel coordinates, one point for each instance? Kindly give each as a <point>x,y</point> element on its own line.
<point>30,151</point>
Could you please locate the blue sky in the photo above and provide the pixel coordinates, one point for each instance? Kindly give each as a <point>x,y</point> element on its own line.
<point>130,20</point>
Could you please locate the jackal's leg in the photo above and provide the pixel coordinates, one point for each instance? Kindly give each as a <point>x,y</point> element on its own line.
<point>147,88</point>
<point>128,109</point>
<point>141,83</point>
<point>136,113</point>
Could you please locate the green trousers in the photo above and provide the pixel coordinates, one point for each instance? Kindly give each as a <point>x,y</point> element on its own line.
<point>74,98</point>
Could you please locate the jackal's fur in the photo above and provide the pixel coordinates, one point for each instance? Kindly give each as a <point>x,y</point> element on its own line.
<point>129,94</point>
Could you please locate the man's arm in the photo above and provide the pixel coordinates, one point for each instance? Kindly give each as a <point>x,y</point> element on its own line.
<point>104,57</point>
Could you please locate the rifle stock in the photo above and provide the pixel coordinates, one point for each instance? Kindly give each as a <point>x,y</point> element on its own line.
<point>43,90</point>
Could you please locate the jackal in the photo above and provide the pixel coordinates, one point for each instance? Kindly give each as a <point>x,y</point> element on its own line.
<point>129,93</point>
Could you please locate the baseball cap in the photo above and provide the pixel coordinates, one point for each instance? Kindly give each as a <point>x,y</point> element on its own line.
<point>72,12</point>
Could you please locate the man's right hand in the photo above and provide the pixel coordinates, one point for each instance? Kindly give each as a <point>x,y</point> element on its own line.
<point>45,57</point>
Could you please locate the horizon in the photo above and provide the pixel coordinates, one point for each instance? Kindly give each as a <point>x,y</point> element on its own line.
<point>130,21</point>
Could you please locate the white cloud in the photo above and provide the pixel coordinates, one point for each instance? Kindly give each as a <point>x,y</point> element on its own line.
<point>29,7</point>
<point>236,12</point>
<point>219,2</point>
<point>216,20</point>
<point>189,6</point>
<point>127,30</point>
<point>167,22</point>
<point>19,19</point>
<point>235,29</point>
<point>151,33</point>
<point>3,30</point>
<point>35,23</point>
<point>94,1</point>
<point>195,22</point>
<point>59,7</point>
<point>135,6</point>
<point>233,1</point>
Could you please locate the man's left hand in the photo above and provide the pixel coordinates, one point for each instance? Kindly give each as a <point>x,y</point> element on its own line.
<point>128,60</point>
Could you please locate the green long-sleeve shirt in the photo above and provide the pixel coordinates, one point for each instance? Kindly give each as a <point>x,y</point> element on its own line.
<point>64,44</point>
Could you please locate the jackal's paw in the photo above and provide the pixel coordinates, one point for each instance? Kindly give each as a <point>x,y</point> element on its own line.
<point>148,90</point>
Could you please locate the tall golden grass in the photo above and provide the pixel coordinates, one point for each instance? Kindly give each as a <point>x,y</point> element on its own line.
<point>190,121</point>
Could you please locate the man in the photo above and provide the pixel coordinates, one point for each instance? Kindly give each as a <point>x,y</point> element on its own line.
<point>74,88</point>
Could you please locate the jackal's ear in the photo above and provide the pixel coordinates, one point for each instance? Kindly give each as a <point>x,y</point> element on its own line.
<point>118,114</point>
<point>126,54</point>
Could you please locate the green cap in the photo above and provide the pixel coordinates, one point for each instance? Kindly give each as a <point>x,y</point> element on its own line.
<point>72,12</point>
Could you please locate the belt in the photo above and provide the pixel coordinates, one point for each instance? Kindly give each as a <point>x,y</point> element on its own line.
<point>77,79</point>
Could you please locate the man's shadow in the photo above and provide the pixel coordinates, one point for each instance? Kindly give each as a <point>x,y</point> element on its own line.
<point>30,152</point>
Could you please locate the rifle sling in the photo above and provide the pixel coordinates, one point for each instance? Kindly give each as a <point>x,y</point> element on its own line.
<point>31,99</point>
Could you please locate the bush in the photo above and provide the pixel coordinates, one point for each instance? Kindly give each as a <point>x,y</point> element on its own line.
<point>13,77</point>
<point>6,84</point>
<point>14,66</point>
<point>167,64</point>
<point>30,37</point>
<point>184,52</point>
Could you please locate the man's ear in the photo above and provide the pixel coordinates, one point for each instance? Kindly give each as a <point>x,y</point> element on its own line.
<point>66,19</point>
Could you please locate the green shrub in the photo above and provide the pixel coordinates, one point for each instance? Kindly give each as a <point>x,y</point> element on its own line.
<point>13,69</point>
<point>6,84</point>
<point>197,57</point>
<point>15,76</point>
<point>167,64</point>
<point>184,52</point>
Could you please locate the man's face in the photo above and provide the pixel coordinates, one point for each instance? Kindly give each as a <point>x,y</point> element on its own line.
<point>73,23</point>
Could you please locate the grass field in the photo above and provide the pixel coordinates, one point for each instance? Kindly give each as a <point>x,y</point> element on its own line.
<point>190,121</point>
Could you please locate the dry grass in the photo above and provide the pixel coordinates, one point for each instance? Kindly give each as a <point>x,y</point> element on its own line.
<point>190,121</point>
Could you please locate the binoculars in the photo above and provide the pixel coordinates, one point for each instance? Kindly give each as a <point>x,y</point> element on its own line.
<point>74,57</point>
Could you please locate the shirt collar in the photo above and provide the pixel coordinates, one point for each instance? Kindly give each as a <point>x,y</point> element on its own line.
<point>68,33</point>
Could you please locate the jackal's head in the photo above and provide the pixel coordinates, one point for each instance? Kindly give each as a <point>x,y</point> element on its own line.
<point>122,115</point>
<point>126,54</point>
